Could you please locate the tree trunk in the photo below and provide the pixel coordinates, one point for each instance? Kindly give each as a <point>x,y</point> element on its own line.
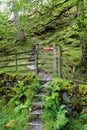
<point>84,55</point>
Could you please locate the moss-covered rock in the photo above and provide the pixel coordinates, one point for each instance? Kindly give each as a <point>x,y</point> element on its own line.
<point>76,94</point>
<point>9,84</point>
<point>73,96</point>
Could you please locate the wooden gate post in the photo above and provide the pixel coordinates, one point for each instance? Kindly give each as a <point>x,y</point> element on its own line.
<point>73,72</point>
<point>36,58</point>
<point>16,63</point>
<point>59,62</point>
<point>54,59</point>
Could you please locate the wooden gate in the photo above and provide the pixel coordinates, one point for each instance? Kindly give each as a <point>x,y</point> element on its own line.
<point>37,60</point>
<point>46,60</point>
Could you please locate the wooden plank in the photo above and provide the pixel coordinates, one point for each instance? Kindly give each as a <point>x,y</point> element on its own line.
<point>43,63</point>
<point>79,81</point>
<point>74,69</point>
<point>25,58</point>
<point>66,65</point>
<point>69,60</point>
<point>36,58</point>
<point>18,53</point>
<point>16,62</point>
<point>10,66</point>
<point>25,64</point>
<point>47,67</point>
<point>45,59</point>
<point>45,53</point>
<point>54,59</point>
<point>24,71</point>
<point>67,75</point>
<point>59,62</point>
<point>7,60</point>
<point>78,74</point>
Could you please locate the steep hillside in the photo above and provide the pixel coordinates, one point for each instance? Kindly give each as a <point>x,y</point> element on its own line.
<point>45,23</point>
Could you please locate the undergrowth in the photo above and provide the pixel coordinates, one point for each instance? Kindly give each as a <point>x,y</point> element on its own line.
<point>65,106</point>
<point>14,112</point>
<point>54,115</point>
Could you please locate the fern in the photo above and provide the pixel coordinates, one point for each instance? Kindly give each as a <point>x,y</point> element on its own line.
<point>61,118</point>
<point>54,113</point>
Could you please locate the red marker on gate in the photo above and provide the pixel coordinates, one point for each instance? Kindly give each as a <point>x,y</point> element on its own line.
<point>48,48</point>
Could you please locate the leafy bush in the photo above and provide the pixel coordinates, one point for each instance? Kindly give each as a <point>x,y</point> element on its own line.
<point>14,114</point>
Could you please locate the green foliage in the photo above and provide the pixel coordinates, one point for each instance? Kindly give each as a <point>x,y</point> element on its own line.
<point>79,122</point>
<point>14,114</point>
<point>82,21</point>
<point>60,95</point>
<point>37,16</point>
<point>61,118</point>
<point>5,31</point>
<point>49,22</point>
<point>54,115</point>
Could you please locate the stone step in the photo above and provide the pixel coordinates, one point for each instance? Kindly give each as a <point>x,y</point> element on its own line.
<point>36,128</point>
<point>38,103</point>
<point>40,95</point>
<point>36,112</point>
<point>44,85</point>
<point>44,78</point>
<point>36,123</point>
<point>43,90</point>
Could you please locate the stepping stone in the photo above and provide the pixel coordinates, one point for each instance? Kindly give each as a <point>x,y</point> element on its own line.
<point>39,103</point>
<point>43,90</point>
<point>35,125</point>
<point>45,77</point>
<point>36,112</point>
<point>44,85</point>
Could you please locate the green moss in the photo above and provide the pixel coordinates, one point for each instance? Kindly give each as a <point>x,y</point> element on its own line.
<point>68,86</point>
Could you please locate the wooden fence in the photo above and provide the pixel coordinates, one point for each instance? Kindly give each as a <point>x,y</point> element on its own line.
<point>67,69</point>
<point>50,60</point>
<point>37,59</point>
<point>17,61</point>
